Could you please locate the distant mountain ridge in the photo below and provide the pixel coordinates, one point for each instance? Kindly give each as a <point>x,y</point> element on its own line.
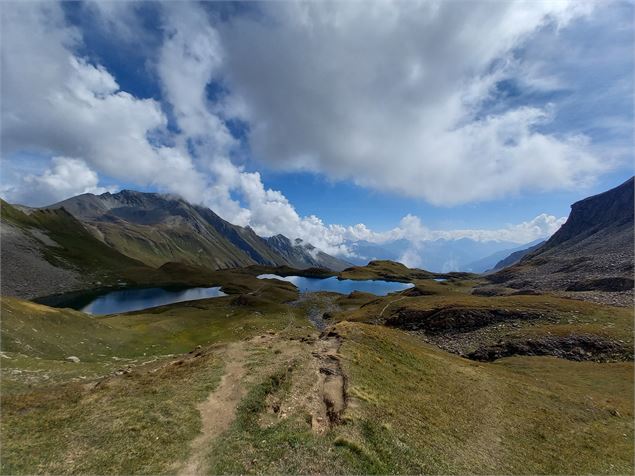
<point>440,255</point>
<point>593,250</point>
<point>156,229</point>
<point>516,256</point>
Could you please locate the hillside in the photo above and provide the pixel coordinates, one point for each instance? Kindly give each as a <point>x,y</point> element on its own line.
<point>244,384</point>
<point>592,251</point>
<point>49,251</point>
<point>516,256</point>
<point>156,229</point>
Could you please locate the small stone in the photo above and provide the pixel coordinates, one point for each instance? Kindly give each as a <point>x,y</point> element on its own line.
<point>72,358</point>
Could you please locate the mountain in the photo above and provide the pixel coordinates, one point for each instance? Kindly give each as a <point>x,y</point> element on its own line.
<point>366,251</point>
<point>156,229</point>
<point>490,262</point>
<point>302,255</point>
<point>515,256</point>
<point>593,250</point>
<point>439,256</point>
<point>49,251</point>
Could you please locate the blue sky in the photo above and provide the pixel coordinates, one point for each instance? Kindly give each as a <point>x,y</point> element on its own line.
<point>409,121</point>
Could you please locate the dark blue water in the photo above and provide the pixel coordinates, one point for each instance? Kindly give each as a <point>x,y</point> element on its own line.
<point>126,300</point>
<point>343,286</point>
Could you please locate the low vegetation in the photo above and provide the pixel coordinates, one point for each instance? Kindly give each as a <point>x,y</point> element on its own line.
<point>410,405</point>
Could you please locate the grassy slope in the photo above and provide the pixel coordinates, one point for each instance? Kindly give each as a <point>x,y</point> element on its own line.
<point>56,421</point>
<point>156,245</point>
<point>444,414</point>
<point>136,424</point>
<point>412,408</point>
<point>104,266</point>
<point>416,409</point>
<point>384,269</point>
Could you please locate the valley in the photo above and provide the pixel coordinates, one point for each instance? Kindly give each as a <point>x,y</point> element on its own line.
<point>442,373</point>
<point>317,238</point>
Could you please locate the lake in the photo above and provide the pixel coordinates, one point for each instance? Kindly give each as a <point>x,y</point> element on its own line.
<point>343,286</point>
<point>126,300</point>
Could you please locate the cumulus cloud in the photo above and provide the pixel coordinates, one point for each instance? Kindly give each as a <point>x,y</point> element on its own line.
<point>390,96</point>
<point>56,102</point>
<point>65,178</point>
<point>190,59</point>
<point>412,229</point>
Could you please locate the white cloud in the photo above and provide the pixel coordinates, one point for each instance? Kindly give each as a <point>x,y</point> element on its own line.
<point>386,96</point>
<point>190,59</point>
<point>65,178</point>
<point>57,103</point>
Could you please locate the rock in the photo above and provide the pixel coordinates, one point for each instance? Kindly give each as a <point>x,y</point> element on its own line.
<point>72,358</point>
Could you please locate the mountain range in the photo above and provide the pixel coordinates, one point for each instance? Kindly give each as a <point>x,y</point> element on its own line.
<point>129,231</point>
<point>156,229</point>
<point>439,256</point>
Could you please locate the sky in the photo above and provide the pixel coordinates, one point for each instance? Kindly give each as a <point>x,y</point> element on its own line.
<point>327,121</point>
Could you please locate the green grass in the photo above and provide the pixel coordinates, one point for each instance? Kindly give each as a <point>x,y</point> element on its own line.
<point>54,421</point>
<point>450,415</point>
<point>37,339</point>
<point>141,423</point>
<point>412,407</point>
<point>384,269</point>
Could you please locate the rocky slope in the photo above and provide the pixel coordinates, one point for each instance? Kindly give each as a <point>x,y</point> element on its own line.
<point>49,251</point>
<point>156,229</point>
<point>516,256</point>
<point>592,251</point>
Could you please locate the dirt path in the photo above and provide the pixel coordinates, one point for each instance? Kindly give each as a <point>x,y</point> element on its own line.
<point>387,305</point>
<point>217,412</point>
<point>331,384</point>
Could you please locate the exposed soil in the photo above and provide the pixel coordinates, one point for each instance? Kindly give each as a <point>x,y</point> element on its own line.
<point>331,382</point>
<point>455,319</point>
<point>217,411</point>
<point>572,347</point>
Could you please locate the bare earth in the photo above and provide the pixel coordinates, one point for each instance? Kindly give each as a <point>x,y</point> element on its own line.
<point>217,412</point>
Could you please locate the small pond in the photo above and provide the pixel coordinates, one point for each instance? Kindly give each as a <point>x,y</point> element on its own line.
<point>126,300</point>
<point>343,286</point>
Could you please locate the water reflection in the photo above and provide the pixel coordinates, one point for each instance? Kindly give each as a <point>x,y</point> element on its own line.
<point>343,286</point>
<point>126,300</point>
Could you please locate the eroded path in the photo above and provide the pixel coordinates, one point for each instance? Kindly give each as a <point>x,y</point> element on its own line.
<point>218,410</point>
<point>318,385</point>
<point>331,381</point>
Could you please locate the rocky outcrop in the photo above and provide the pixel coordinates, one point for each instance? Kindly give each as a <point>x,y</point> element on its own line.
<point>455,319</point>
<point>572,347</point>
